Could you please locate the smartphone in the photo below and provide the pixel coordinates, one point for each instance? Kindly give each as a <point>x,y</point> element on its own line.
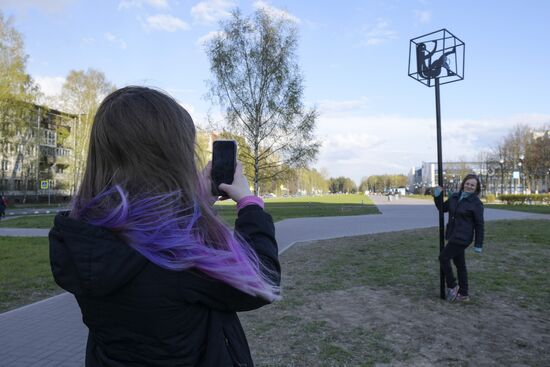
<point>224,162</point>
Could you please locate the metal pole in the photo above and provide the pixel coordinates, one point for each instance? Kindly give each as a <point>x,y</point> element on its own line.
<point>501,179</point>
<point>440,183</point>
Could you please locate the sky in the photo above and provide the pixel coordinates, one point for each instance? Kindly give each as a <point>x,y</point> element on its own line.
<point>373,118</point>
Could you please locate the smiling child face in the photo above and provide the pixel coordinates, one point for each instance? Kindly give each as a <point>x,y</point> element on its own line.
<point>470,185</point>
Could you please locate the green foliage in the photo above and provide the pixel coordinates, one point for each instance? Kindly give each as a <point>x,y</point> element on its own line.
<point>62,134</point>
<point>527,208</point>
<point>17,92</point>
<point>15,83</point>
<point>380,183</point>
<point>81,94</point>
<point>342,185</point>
<point>202,148</point>
<point>525,198</point>
<point>490,198</point>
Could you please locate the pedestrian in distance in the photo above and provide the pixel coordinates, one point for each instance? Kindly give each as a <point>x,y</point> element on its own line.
<point>3,206</point>
<point>158,277</point>
<point>465,224</point>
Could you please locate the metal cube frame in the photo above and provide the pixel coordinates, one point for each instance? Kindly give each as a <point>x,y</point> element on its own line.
<point>445,42</point>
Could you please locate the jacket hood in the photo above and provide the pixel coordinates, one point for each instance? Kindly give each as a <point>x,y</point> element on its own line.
<point>90,260</point>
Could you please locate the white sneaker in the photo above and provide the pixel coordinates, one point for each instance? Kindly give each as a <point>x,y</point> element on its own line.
<point>452,293</point>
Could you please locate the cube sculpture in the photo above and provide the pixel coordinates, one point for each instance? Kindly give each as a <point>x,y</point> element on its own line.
<point>436,55</point>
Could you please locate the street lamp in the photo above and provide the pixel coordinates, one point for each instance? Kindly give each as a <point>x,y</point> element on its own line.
<point>501,162</point>
<point>520,164</point>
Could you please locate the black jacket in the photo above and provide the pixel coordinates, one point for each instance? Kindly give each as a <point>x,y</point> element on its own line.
<point>139,314</point>
<point>465,218</point>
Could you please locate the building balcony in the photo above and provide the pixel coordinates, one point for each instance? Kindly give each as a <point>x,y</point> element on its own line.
<point>56,155</point>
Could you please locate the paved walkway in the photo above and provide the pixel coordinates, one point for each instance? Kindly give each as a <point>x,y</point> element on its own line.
<point>51,332</point>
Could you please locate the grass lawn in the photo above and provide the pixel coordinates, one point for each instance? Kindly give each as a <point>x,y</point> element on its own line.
<point>542,209</point>
<point>25,274</point>
<point>22,282</point>
<point>39,205</point>
<point>29,221</point>
<point>316,206</point>
<point>309,206</point>
<point>374,300</point>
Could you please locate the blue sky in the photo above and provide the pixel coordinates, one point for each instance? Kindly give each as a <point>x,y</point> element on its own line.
<point>374,119</point>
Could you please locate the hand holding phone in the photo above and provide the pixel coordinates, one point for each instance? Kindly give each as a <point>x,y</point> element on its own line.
<point>239,188</point>
<point>224,163</point>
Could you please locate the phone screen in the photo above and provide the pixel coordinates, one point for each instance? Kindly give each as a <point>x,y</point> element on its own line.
<point>224,160</point>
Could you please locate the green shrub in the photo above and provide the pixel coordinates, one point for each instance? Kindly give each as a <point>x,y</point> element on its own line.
<point>513,199</point>
<point>490,198</point>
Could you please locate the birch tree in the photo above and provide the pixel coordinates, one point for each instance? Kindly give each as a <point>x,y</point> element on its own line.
<point>257,80</point>
<point>17,94</point>
<point>81,94</point>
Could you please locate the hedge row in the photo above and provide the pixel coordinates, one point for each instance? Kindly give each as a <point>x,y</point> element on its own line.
<point>525,198</point>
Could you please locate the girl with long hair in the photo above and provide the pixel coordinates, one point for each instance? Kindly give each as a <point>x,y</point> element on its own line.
<point>158,277</point>
<point>465,225</point>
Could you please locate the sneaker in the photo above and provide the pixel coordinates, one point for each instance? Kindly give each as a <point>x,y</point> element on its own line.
<point>461,298</point>
<point>452,293</point>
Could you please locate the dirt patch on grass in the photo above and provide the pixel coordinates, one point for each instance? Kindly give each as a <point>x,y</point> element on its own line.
<point>373,301</point>
<point>363,326</point>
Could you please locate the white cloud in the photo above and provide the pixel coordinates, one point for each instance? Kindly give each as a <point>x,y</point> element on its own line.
<point>211,11</point>
<point>50,85</point>
<point>115,40</point>
<point>276,12</point>
<point>332,106</point>
<point>378,33</point>
<point>165,22</point>
<point>423,16</point>
<point>209,36</point>
<point>357,146</point>
<point>127,4</point>
<point>161,4</point>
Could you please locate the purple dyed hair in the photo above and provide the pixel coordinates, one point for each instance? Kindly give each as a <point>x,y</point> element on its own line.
<point>141,181</point>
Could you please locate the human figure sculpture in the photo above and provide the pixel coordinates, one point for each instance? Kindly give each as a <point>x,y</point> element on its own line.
<point>432,69</point>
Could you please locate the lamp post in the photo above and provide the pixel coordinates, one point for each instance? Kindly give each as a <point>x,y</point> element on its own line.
<point>521,182</point>
<point>437,58</point>
<point>501,162</point>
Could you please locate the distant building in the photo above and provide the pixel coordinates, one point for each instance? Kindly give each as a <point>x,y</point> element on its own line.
<point>42,150</point>
<point>426,176</point>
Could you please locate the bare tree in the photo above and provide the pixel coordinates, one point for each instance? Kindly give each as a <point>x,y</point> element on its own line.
<point>537,157</point>
<point>258,81</point>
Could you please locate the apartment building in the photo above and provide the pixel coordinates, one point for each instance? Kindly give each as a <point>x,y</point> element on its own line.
<point>37,160</point>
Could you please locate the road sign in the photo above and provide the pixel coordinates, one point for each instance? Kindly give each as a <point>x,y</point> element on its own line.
<point>44,184</point>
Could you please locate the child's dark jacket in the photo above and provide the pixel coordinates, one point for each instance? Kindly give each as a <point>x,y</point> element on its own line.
<point>465,219</point>
<point>139,314</point>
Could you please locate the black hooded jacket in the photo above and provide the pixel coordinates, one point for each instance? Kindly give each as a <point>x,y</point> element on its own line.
<point>465,219</point>
<point>139,314</point>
